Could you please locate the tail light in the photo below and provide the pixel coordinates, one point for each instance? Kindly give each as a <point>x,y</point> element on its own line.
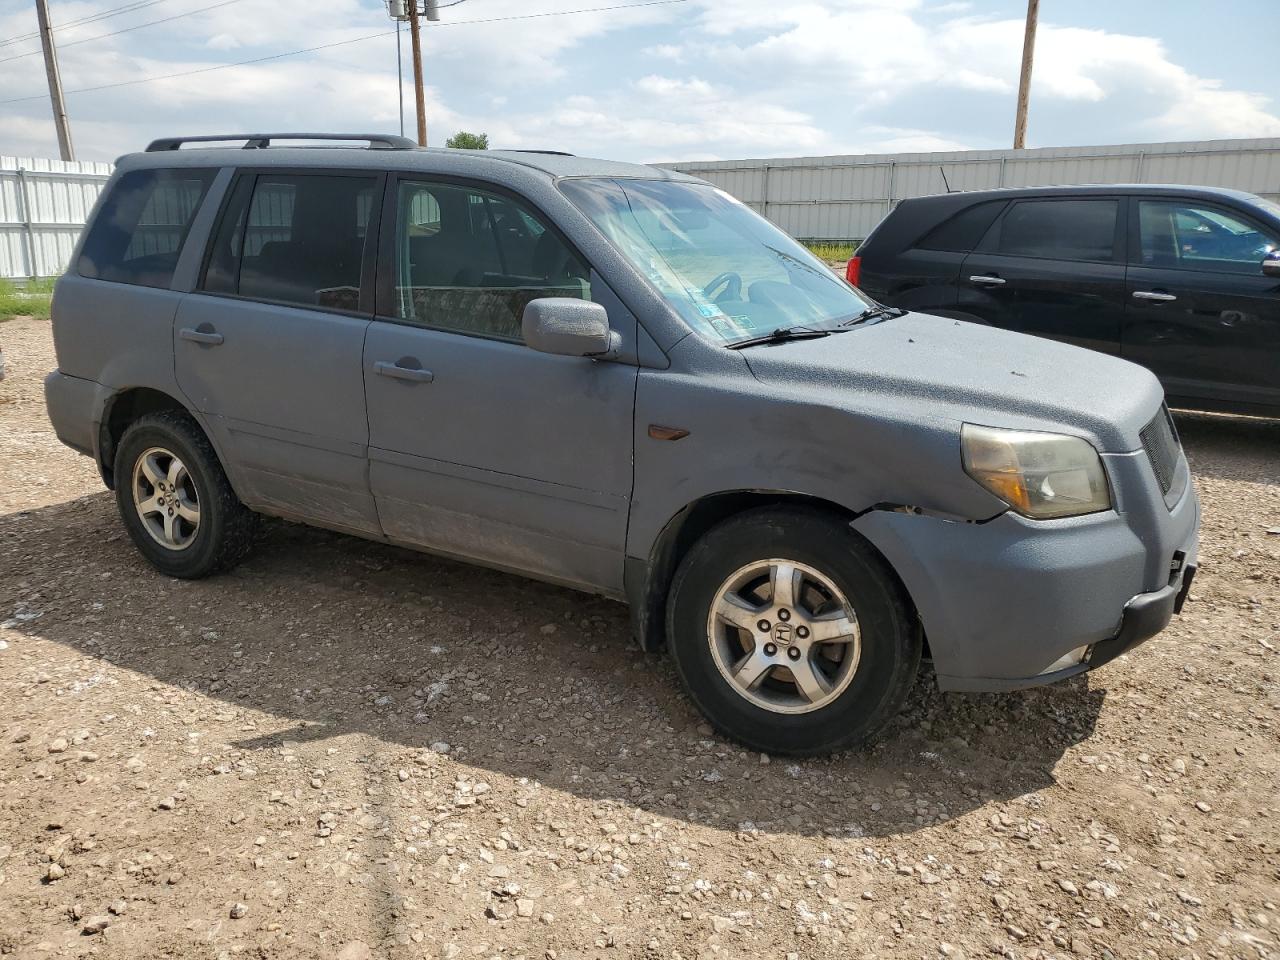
<point>853,272</point>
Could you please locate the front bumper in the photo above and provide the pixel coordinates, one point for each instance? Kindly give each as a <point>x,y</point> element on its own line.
<point>1014,603</point>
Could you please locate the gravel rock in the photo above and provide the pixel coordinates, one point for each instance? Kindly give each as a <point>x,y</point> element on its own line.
<point>276,706</point>
<point>95,924</point>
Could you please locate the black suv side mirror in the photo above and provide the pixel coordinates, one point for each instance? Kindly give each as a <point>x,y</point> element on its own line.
<point>1271,264</point>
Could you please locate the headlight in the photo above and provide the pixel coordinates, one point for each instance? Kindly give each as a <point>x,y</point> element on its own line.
<point>1040,475</point>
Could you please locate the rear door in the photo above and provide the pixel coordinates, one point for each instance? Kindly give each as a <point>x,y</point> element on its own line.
<point>269,345</point>
<point>925,274</point>
<point>480,446</point>
<point>1201,314</point>
<point>1053,267</point>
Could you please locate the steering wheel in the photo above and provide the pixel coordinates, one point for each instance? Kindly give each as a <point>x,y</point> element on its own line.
<point>732,284</point>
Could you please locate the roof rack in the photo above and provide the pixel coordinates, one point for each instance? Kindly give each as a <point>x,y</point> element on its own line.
<point>260,141</point>
<point>552,153</point>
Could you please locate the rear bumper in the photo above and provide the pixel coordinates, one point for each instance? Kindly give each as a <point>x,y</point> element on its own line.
<point>74,407</point>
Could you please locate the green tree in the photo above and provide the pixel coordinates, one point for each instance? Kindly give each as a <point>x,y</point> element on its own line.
<point>468,141</point>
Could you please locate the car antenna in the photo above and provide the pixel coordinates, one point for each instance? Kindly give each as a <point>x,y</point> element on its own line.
<point>943,170</point>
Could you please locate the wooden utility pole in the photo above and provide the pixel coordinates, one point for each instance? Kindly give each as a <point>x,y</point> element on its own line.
<point>1024,84</point>
<point>418,93</point>
<point>55,82</point>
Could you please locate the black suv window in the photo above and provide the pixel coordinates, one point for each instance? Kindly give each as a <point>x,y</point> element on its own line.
<point>293,239</point>
<point>1196,236</point>
<point>1057,230</point>
<point>963,231</point>
<point>139,231</point>
<point>470,260</point>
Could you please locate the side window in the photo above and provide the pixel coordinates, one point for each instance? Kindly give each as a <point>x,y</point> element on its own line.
<point>962,232</point>
<point>1196,237</point>
<point>470,260</point>
<point>293,239</point>
<point>138,234</point>
<point>1058,230</point>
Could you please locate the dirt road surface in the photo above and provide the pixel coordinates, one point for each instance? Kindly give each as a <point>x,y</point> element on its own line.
<point>346,750</point>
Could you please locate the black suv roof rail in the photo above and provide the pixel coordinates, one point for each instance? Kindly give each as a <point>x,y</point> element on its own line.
<point>260,141</point>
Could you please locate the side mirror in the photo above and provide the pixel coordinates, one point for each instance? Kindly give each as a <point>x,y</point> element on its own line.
<point>569,328</point>
<point>1271,264</point>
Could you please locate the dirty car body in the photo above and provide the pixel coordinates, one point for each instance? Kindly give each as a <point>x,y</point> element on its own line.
<point>634,459</point>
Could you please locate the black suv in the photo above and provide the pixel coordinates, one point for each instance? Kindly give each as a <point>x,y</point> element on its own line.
<point>1183,280</point>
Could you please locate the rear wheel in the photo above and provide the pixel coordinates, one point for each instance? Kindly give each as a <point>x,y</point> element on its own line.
<point>790,633</point>
<point>175,500</point>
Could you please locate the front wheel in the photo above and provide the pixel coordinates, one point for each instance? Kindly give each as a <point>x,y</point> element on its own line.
<point>790,632</point>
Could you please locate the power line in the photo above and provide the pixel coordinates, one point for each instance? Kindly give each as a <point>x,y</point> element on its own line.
<point>92,18</point>
<point>116,33</point>
<point>343,43</point>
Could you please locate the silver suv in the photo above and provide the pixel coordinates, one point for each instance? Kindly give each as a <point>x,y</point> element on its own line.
<point>619,379</point>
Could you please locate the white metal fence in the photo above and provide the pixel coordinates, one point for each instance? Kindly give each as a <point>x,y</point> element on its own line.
<point>44,203</point>
<point>43,206</point>
<point>844,197</point>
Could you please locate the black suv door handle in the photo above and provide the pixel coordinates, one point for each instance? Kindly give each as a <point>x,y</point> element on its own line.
<point>209,337</point>
<point>414,374</point>
<point>1153,295</point>
<point>983,280</point>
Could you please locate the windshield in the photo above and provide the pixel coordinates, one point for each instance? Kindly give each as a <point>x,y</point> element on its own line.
<point>731,274</point>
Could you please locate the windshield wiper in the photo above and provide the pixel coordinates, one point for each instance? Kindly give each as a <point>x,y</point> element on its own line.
<point>878,312</point>
<point>782,335</point>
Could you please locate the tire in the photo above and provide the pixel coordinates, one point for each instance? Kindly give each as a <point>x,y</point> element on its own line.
<point>866,672</point>
<point>222,533</point>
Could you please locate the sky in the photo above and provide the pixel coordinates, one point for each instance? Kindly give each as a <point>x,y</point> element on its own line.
<point>671,81</point>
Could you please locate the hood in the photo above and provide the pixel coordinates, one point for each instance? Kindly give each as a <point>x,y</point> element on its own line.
<point>944,368</point>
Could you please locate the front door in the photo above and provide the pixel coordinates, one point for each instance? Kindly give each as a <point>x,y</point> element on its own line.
<point>1053,268</point>
<point>269,347</point>
<point>1201,313</point>
<point>479,446</point>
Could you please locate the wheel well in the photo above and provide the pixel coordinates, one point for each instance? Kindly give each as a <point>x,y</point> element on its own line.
<point>649,602</point>
<point>123,409</point>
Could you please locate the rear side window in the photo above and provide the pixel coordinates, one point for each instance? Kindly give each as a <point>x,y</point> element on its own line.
<point>1058,230</point>
<point>963,231</point>
<point>295,239</point>
<point>139,231</point>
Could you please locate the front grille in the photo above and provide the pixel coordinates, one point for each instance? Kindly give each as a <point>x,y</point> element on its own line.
<point>1160,441</point>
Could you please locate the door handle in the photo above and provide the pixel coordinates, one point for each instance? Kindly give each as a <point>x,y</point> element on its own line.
<point>414,374</point>
<point>986,281</point>
<point>201,336</point>
<point>1153,295</point>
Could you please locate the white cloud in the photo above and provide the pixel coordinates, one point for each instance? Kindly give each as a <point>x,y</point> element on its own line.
<point>705,78</point>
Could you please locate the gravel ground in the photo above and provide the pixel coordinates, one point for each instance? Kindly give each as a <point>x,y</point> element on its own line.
<point>343,749</point>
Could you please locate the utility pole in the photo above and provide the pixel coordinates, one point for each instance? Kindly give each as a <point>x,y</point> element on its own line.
<point>418,93</point>
<point>1024,84</point>
<point>408,10</point>
<point>55,82</point>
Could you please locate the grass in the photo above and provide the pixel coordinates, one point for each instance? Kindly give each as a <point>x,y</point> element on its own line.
<point>26,298</point>
<point>827,250</point>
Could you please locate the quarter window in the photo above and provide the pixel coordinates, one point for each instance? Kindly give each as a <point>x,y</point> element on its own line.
<point>293,239</point>
<point>470,260</point>
<point>1059,230</point>
<point>1193,237</point>
<point>139,231</point>
<point>962,232</point>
